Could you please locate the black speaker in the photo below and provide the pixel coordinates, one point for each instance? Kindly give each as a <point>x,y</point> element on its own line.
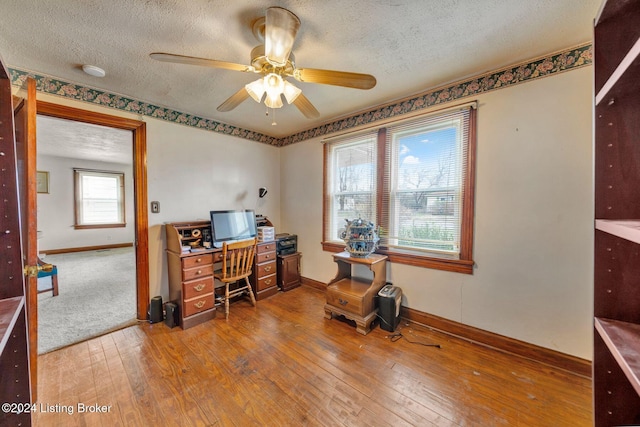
<point>155,310</point>
<point>171,316</point>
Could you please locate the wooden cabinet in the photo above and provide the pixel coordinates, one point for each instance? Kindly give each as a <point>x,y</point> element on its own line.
<point>353,297</point>
<point>191,284</point>
<point>14,357</point>
<point>289,271</point>
<point>616,358</point>
<point>264,279</point>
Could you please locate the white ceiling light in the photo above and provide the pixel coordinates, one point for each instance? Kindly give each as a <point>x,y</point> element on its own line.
<point>92,70</point>
<point>274,86</point>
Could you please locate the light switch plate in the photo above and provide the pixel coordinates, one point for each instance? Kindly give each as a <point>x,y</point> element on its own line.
<point>155,207</point>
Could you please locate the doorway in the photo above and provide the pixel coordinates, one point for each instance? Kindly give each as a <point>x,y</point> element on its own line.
<point>138,239</point>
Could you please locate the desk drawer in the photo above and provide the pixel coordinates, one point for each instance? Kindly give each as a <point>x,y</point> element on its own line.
<point>266,282</point>
<point>266,269</point>
<point>265,247</point>
<point>196,261</point>
<point>196,305</point>
<point>350,302</point>
<point>265,257</point>
<point>198,272</point>
<point>197,288</point>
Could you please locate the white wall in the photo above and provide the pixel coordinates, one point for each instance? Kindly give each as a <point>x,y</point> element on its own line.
<point>533,219</point>
<point>192,171</point>
<point>56,209</point>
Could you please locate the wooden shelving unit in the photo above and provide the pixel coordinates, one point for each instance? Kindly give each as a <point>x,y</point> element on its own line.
<point>15,387</point>
<point>616,359</point>
<point>629,229</point>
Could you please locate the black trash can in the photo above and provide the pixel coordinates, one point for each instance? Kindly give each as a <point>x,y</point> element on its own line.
<point>389,299</point>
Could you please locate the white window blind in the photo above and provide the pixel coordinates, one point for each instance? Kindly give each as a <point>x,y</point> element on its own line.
<point>424,183</point>
<point>351,181</point>
<point>99,198</point>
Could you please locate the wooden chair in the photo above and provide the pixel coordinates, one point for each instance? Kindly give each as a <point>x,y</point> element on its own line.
<point>49,272</point>
<point>237,260</point>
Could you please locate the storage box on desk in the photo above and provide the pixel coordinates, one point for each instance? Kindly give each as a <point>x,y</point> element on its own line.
<point>266,234</point>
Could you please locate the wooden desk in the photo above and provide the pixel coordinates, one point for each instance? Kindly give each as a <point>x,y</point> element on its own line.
<point>353,297</point>
<point>191,282</point>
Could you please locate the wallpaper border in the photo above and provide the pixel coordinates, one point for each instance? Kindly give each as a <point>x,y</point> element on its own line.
<point>544,66</point>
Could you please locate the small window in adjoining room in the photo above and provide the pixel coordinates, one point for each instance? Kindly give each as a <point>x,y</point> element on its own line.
<point>99,199</point>
<point>414,179</point>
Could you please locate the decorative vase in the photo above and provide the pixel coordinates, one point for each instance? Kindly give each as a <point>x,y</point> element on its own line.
<point>361,238</point>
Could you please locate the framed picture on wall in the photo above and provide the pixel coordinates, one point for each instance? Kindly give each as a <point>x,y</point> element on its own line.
<point>42,182</point>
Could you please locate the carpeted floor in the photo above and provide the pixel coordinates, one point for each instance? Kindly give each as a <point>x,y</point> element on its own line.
<point>97,294</point>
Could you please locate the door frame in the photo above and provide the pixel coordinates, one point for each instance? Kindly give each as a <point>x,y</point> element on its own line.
<point>139,130</point>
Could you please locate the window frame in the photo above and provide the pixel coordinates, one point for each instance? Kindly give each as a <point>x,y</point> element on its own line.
<point>464,262</point>
<point>78,200</point>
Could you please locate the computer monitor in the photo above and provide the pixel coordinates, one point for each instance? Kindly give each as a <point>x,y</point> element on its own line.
<point>232,226</point>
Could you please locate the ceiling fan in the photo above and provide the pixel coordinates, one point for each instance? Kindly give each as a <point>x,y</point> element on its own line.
<point>275,63</point>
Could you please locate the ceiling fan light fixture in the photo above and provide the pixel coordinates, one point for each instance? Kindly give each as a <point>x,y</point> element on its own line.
<point>273,85</point>
<point>273,102</point>
<point>281,27</point>
<point>256,90</point>
<point>291,92</point>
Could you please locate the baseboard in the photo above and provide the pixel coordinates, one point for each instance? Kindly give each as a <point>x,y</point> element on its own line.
<point>533,352</point>
<point>313,283</point>
<point>85,248</point>
<point>559,360</point>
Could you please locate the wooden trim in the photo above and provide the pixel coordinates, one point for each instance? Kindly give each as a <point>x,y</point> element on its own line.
<point>325,196</point>
<point>139,130</point>
<point>89,227</point>
<point>468,191</point>
<point>533,352</point>
<point>305,281</point>
<point>86,248</point>
<point>382,172</point>
<point>455,265</point>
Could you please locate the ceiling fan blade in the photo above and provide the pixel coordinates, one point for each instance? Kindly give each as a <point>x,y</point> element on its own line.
<point>305,107</point>
<point>192,60</point>
<point>234,100</point>
<point>281,27</point>
<point>336,78</point>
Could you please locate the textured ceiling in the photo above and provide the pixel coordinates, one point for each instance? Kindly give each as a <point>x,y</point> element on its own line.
<point>410,46</point>
<point>71,139</point>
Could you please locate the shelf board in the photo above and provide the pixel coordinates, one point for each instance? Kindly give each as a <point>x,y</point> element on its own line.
<point>618,73</point>
<point>626,229</point>
<point>9,312</point>
<point>623,341</point>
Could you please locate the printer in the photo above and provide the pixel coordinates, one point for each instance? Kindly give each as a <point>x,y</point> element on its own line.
<point>286,244</point>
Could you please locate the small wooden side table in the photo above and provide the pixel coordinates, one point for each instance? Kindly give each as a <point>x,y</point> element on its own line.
<point>353,297</point>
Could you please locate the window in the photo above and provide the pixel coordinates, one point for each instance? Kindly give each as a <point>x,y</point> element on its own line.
<point>415,180</point>
<point>99,199</point>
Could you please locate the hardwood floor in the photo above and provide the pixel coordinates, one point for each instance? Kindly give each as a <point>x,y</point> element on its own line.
<point>283,364</point>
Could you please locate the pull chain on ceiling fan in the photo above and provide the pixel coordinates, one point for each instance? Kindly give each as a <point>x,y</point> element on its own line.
<point>275,62</point>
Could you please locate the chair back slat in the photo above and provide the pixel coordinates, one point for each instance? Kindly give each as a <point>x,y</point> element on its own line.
<point>237,259</point>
